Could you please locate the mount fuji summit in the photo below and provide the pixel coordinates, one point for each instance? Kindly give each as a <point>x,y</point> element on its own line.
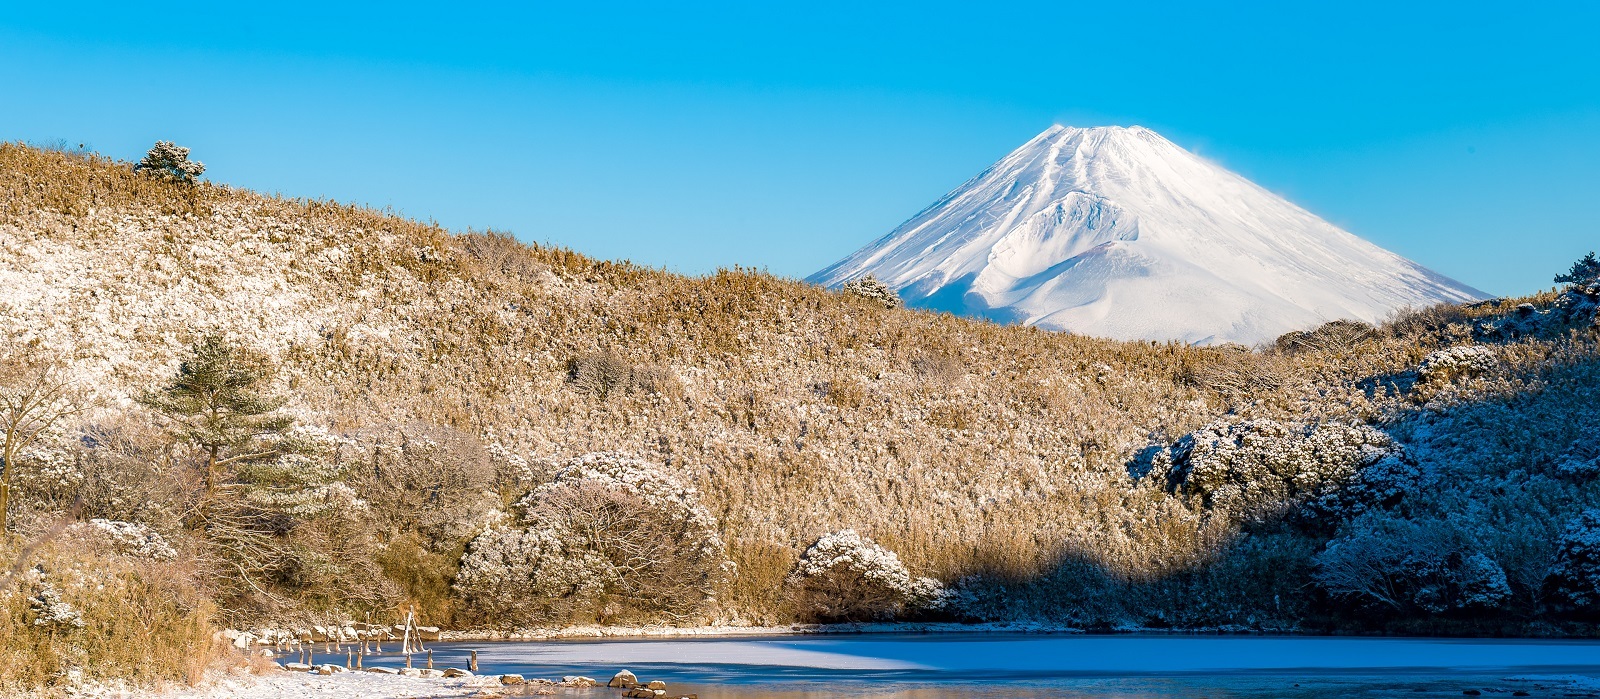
<point>1117,232</point>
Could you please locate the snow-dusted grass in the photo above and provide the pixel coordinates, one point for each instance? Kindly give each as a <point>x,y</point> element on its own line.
<point>458,373</point>
<point>83,612</point>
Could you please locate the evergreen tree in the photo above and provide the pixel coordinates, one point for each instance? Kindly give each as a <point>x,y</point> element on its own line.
<point>216,403</point>
<point>1584,271</point>
<point>170,162</point>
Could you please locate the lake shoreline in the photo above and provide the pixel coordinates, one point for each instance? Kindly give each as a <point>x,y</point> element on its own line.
<point>874,661</point>
<point>844,629</point>
<point>941,628</point>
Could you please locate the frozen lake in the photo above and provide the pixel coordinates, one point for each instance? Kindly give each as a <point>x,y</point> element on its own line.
<point>997,665</point>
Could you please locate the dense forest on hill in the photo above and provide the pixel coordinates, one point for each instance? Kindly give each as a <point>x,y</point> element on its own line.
<point>231,409</point>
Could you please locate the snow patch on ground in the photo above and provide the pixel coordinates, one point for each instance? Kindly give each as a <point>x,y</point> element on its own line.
<point>343,685</point>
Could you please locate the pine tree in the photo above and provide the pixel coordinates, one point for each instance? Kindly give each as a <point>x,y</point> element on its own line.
<point>1584,271</point>
<point>216,403</point>
<point>170,162</point>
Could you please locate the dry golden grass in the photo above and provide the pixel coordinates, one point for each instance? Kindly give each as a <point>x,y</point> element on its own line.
<point>968,448</point>
<point>144,622</point>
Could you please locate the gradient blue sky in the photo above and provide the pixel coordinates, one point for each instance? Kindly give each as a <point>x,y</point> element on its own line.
<point>1464,135</point>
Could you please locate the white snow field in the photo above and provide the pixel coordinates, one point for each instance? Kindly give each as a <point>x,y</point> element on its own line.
<point>1117,232</point>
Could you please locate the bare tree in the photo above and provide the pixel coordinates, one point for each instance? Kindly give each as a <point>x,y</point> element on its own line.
<point>36,396</point>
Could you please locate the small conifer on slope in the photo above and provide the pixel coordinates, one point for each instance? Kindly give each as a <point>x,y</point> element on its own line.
<point>171,162</point>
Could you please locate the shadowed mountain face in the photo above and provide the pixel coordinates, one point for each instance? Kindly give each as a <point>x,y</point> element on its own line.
<point>1117,232</point>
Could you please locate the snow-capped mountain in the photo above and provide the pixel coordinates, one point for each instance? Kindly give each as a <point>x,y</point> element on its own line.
<point>1118,232</point>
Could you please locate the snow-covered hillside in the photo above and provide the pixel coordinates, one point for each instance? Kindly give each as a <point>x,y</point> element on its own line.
<point>1117,232</point>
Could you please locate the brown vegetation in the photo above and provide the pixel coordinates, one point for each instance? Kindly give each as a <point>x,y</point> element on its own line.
<point>452,374</point>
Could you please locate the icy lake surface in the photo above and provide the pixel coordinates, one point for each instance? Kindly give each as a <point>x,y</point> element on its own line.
<point>996,665</point>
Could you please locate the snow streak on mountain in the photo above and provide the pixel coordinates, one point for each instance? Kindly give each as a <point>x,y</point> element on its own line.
<point>1118,232</point>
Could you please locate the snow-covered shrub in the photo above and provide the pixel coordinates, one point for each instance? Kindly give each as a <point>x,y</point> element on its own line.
<point>509,466</point>
<point>870,288</point>
<point>1260,467</point>
<point>599,373</point>
<point>49,473</point>
<point>1457,362</point>
<point>1331,336</point>
<point>1579,304</point>
<point>1480,582</point>
<point>131,539</point>
<point>1575,577</point>
<point>1405,565</point>
<point>433,480</point>
<point>507,569</point>
<point>170,162</point>
<point>1383,483</point>
<point>1581,460</point>
<point>49,610</point>
<point>847,577</point>
<point>611,538</point>
<point>605,372</point>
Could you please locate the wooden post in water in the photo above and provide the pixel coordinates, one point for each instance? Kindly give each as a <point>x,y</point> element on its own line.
<point>430,659</point>
<point>416,631</point>
<point>408,660</point>
<point>349,659</point>
<point>361,655</point>
<point>472,662</point>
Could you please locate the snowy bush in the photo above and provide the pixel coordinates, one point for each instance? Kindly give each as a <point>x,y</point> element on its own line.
<point>506,569</point>
<point>1452,362</point>
<point>1405,565</point>
<point>1581,460</point>
<point>170,162</point>
<point>1381,484</point>
<point>1579,305</point>
<point>49,610</point>
<point>1338,335</point>
<point>870,288</point>
<point>131,539</point>
<point>1259,467</point>
<point>846,577</point>
<point>611,538</point>
<point>605,372</point>
<point>1575,577</point>
<point>433,480</point>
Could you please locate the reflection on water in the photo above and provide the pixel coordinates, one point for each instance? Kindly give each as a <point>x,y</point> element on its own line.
<point>1013,667</point>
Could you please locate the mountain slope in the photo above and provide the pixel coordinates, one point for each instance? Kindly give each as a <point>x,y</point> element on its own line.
<point>1045,476</point>
<point>1118,232</point>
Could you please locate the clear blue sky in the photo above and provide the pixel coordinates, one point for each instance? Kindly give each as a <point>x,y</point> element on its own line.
<point>1464,135</point>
